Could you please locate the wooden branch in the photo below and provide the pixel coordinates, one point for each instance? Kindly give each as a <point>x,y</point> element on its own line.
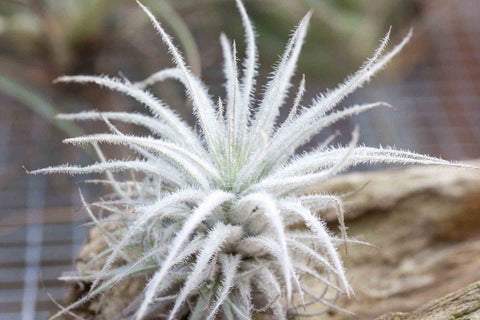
<point>463,304</point>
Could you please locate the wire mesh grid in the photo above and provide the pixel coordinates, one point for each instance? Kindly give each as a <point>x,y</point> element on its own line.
<point>40,230</point>
<point>39,234</point>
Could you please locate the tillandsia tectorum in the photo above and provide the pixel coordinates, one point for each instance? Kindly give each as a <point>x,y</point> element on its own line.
<point>209,224</point>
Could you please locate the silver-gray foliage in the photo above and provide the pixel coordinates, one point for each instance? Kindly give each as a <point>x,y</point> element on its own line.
<point>210,224</point>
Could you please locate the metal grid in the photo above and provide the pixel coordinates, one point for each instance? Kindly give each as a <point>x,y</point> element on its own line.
<point>437,113</point>
<point>39,236</point>
<point>437,106</point>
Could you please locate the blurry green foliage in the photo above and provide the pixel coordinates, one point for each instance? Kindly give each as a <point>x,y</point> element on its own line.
<point>343,32</point>
<point>66,28</point>
<point>38,104</point>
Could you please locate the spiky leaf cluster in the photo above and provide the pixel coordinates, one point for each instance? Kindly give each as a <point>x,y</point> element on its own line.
<point>213,222</point>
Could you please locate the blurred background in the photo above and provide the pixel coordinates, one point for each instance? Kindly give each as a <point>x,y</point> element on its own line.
<point>434,86</point>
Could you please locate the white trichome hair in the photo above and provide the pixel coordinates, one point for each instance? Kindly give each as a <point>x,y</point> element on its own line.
<point>216,219</point>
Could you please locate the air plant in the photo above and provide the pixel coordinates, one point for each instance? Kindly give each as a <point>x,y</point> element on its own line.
<point>214,220</point>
